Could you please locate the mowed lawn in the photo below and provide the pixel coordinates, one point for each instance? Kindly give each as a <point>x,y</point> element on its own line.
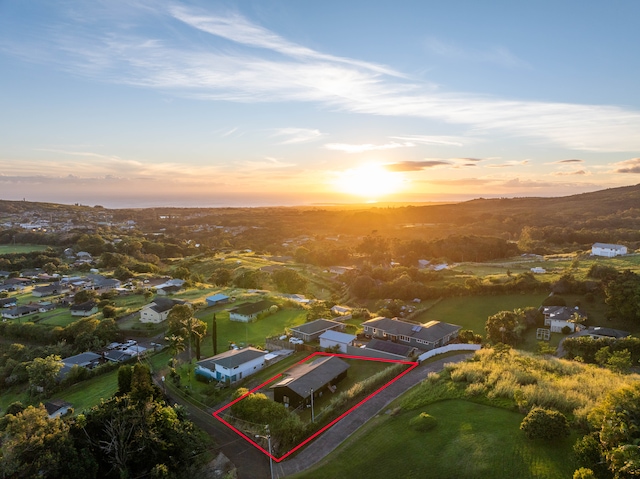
<point>247,333</point>
<point>87,394</point>
<point>471,312</point>
<point>470,441</point>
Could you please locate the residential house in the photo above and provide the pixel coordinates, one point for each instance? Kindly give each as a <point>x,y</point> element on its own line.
<point>84,309</point>
<point>102,284</point>
<point>86,360</point>
<point>247,312</point>
<point>338,310</point>
<point>303,380</point>
<point>559,317</point>
<point>50,290</point>
<point>608,250</point>
<point>538,270</point>
<point>600,332</point>
<point>233,365</point>
<point>216,299</point>
<point>44,306</point>
<point>158,310</point>
<point>340,270</point>
<point>333,339</point>
<point>433,334</point>
<point>8,302</point>
<point>20,311</point>
<point>57,408</point>
<point>167,290</point>
<point>312,330</point>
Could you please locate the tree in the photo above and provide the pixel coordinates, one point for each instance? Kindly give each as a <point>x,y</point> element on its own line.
<point>543,423</point>
<point>124,379</point>
<point>289,280</point>
<point>176,345</point>
<point>84,295</point>
<point>43,373</point>
<point>36,446</point>
<point>617,420</point>
<point>363,287</point>
<point>182,323</point>
<point>123,273</point>
<point>506,327</point>
<point>623,296</point>
<point>221,277</point>
<point>214,335</point>
<point>620,361</point>
<point>109,311</point>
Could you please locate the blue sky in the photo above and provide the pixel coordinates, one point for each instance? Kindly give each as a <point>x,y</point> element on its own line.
<point>213,103</point>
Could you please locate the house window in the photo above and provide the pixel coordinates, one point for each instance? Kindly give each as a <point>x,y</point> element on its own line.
<point>375,330</point>
<point>404,338</point>
<point>285,400</point>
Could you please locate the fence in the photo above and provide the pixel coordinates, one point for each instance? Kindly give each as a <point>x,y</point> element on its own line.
<point>447,348</point>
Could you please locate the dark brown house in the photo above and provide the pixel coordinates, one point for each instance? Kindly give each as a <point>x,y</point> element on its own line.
<point>318,376</point>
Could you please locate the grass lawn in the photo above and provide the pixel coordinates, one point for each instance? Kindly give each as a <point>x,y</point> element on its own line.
<point>470,441</point>
<point>247,333</point>
<point>85,394</point>
<point>58,317</point>
<point>21,248</point>
<point>471,312</point>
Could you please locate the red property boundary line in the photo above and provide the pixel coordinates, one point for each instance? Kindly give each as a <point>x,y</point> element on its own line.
<point>217,413</point>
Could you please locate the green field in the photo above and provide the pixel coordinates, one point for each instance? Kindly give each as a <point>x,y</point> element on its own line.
<point>86,394</point>
<point>471,312</point>
<point>470,441</point>
<point>21,248</point>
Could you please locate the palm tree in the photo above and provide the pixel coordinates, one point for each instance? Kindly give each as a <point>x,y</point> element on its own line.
<point>176,345</point>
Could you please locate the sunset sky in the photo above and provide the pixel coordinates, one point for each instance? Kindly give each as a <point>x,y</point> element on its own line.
<point>274,102</point>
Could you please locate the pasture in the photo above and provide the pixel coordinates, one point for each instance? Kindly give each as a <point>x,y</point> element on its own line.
<point>21,248</point>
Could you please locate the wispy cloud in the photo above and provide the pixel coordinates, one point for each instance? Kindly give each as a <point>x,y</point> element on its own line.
<point>434,140</point>
<point>628,166</point>
<point>565,162</point>
<point>415,165</point>
<point>255,64</point>
<point>508,164</point>
<point>349,148</point>
<point>572,173</point>
<point>496,54</point>
<point>297,135</point>
<point>269,163</point>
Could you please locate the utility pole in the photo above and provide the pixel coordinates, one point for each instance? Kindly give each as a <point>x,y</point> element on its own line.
<point>313,417</point>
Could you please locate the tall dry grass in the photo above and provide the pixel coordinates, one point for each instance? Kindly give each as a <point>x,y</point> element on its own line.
<point>522,380</point>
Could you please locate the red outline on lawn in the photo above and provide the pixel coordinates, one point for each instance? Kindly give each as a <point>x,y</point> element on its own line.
<point>216,414</point>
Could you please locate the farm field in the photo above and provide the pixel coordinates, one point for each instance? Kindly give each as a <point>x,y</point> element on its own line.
<point>470,441</point>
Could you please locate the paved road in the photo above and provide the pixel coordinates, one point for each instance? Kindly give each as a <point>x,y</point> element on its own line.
<point>334,436</point>
<point>249,461</point>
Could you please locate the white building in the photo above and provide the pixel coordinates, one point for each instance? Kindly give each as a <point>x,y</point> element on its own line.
<point>235,364</point>
<point>608,250</point>
<point>330,339</point>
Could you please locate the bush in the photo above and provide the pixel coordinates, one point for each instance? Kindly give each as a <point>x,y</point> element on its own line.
<point>554,300</point>
<point>566,330</point>
<point>423,422</point>
<point>543,423</point>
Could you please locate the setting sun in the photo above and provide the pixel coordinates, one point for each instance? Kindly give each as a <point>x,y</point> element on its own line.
<point>369,181</point>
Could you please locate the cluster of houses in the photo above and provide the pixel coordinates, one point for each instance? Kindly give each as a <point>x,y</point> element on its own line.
<point>115,352</point>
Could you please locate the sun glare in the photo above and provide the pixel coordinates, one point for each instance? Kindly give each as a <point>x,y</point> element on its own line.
<point>370,181</point>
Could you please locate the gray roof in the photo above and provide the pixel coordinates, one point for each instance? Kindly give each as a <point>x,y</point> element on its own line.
<point>82,358</point>
<point>316,326</point>
<point>160,305</point>
<point>431,331</point>
<point>86,306</point>
<point>608,246</point>
<point>252,308</point>
<point>337,336</point>
<point>232,358</point>
<point>389,347</point>
<point>314,375</point>
<point>610,332</point>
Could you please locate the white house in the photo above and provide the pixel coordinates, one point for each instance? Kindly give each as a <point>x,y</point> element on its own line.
<point>84,309</point>
<point>158,310</point>
<point>558,317</point>
<point>538,270</point>
<point>330,339</point>
<point>339,310</point>
<point>234,365</point>
<point>248,312</point>
<point>608,250</point>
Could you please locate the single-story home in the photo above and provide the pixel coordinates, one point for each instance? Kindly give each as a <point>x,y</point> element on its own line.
<point>558,317</point>
<point>608,250</point>
<point>431,335</point>
<point>44,306</point>
<point>57,408</point>
<point>84,309</point>
<point>538,270</point>
<point>331,339</point>
<point>247,312</point>
<point>338,310</point>
<point>87,360</point>
<point>313,329</point>
<point>8,302</point>
<point>600,332</point>
<point>218,298</point>
<point>20,311</point>
<point>233,365</point>
<point>166,290</point>
<point>158,310</point>
<point>315,377</point>
<point>50,290</point>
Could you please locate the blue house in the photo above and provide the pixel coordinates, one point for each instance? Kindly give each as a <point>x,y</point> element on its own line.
<point>217,299</point>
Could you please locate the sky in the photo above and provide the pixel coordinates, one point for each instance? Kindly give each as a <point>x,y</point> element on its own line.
<point>143,103</point>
